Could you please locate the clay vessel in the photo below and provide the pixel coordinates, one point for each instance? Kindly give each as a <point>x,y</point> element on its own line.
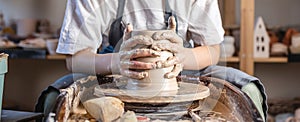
<point>156,84</point>
<point>295,118</point>
<point>229,48</point>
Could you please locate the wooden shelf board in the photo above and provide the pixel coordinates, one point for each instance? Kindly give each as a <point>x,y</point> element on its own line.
<point>56,57</point>
<point>257,60</point>
<point>230,59</point>
<point>271,60</point>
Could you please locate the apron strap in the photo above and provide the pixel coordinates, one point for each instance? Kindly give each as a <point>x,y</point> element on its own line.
<point>121,6</point>
<point>116,28</point>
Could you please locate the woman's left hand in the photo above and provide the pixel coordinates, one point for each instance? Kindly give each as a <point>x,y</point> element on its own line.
<point>173,44</point>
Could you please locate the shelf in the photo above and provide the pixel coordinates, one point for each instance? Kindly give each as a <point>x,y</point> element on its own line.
<point>257,60</point>
<point>271,60</point>
<point>230,59</point>
<point>56,57</point>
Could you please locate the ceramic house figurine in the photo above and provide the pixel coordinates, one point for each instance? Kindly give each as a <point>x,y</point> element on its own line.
<point>261,40</point>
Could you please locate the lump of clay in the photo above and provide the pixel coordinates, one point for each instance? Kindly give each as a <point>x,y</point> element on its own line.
<point>105,109</point>
<point>129,116</point>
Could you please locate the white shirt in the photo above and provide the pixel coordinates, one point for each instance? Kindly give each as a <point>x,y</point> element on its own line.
<point>87,22</point>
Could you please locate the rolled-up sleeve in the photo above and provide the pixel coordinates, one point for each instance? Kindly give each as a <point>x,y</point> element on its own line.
<point>84,23</point>
<point>205,23</point>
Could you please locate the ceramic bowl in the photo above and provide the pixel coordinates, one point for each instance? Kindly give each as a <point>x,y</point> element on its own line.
<point>51,45</point>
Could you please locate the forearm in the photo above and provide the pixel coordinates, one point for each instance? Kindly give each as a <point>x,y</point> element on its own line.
<point>88,62</point>
<point>200,57</point>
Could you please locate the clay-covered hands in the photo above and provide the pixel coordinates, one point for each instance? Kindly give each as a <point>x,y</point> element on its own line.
<point>151,46</point>
<point>128,66</point>
<point>173,44</point>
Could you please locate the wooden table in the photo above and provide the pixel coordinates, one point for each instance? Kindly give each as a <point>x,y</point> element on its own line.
<point>19,116</point>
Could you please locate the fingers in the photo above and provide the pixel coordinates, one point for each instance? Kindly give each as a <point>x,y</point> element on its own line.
<point>174,48</point>
<point>129,28</point>
<point>134,75</point>
<point>127,32</point>
<point>172,23</point>
<point>138,53</point>
<point>176,70</point>
<point>136,40</point>
<point>130,42</point>
<point>141,75</point>
<point>169,35</point>
<point>171,61</point>
<point>126,57</point>
<point>137,65</point>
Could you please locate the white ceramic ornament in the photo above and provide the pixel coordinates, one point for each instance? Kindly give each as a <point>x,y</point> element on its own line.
<point>261,45</point>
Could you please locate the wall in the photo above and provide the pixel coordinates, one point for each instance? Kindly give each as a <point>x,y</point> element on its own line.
<point>280,80</point>
<point>52,10</point>
<point>275,12</point>
<point>27,78</point>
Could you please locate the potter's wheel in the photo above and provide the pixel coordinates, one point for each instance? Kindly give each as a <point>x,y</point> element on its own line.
<point>187,96</point>
<point>187,92</point>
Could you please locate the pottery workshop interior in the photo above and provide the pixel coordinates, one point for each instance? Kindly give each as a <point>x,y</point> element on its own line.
<point>150,60</point>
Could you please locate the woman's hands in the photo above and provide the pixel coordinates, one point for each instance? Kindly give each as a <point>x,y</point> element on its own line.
<point>174,44</point>
<point>128,66</point>
<point>141,46</point>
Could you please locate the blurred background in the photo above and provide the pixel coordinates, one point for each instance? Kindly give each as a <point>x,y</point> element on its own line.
<point>51,10</point>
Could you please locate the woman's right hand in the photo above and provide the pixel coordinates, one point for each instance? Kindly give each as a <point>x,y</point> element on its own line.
<point>127,65</point>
